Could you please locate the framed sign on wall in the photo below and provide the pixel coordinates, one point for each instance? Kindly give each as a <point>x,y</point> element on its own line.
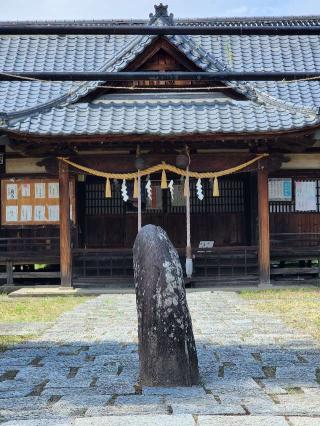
<point>32,201</point>
<point>280,189</point>
<point>306,196</point>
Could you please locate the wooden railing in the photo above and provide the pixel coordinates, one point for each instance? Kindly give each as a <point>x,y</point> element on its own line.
<point>219,263</point>
<point>291,239</point>
<point>18,257</point>
<point>102,262</point>
<point>28,245</point>
<point>295,254</point>
<point>229,264</point>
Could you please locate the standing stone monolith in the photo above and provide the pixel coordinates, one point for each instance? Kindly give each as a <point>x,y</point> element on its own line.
<point>167,350</point>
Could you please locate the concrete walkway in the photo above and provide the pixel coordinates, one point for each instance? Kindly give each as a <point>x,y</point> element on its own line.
<point>83,370</point>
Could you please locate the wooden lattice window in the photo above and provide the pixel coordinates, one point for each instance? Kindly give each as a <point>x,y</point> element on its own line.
<point>231,199</point>
<point>96,202</point>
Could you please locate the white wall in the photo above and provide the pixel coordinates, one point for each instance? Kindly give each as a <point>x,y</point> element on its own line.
<point>302,162</point>
<point>24,165</point>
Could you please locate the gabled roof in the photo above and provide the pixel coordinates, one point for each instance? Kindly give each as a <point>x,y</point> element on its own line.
<point>20,100</point>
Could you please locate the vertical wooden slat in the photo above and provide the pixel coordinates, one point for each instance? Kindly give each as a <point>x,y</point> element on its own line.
<point>264,233</point>
<point>65,234</point>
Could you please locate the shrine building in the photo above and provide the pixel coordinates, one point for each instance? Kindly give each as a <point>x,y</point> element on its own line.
<point>230,169</point>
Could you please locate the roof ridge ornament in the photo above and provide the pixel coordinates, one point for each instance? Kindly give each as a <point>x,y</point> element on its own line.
<point>161,15</point>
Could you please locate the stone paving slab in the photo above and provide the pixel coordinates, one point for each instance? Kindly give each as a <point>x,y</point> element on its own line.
<point>241,421</point>
<point>41,422</point>
<point>161,420</point>
<point>83,370</point>
<point>304,421</point>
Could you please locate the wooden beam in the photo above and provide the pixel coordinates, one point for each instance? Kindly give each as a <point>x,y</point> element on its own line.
<point>264,233</point>
<point>192,137</point>
<point>65,233</point>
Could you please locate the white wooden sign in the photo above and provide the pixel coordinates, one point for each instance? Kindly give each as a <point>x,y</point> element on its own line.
<point>206,244</point>
<point>12,191</point>
<point>26,213</point>
<point>306,196</point>
<point>11,214</point>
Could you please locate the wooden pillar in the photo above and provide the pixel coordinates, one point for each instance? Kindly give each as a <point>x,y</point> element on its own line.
<point>65,233</point>
<point>264,234</point>
<point>189,263</point>
<point>139,203</point>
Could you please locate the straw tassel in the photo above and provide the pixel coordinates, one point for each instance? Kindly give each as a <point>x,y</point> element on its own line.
<point>216,192</point>
<point>135,188</point>
<point>108,189</point>
<point>164,183</point>
<point>186,189</point>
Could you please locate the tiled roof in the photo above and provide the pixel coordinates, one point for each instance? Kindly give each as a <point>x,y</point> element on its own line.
<point>19,100</point>
<point>163,115</point>
<point>56,53</point>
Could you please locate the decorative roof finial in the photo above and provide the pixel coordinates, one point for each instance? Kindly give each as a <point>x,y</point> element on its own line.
<point>161,13</point>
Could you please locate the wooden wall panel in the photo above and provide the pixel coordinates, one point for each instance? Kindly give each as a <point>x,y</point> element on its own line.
<point>226,229</point>
<point>294,223</point>
<point>104,231</point>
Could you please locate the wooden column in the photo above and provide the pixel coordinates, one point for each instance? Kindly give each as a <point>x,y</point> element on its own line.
<point>65,233</point>
<point>139,204</point>
<point>189,263</point>
<point>264,234</point>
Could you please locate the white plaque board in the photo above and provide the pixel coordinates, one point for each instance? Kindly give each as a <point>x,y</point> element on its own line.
<point>25,190</point>
<point>12,191</point>
<point>53,213</point>
<point>306,196</point>
<point>206,244</point>
<point>26,213</point>
<point>11,213</point>
<point>40,213</point>
<point>53,190</point>
<point>40,190</point>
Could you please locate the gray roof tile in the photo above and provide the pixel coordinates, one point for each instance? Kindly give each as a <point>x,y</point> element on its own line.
<point>163,116</point>
<point>57,53</point>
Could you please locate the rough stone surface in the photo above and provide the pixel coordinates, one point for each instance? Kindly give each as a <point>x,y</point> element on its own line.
<point>83,370</point>
<point>184,420</point>
<point>241,421</point>
<point>167,350</point>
